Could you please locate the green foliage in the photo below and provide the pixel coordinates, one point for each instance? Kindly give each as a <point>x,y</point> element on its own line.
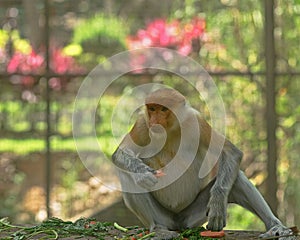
<point>230,29</point>
<point>21,146</point>
<point>240,218</point>
<point>99,36</point>
<point>3,38</point>
<point>29,145</point>
<point>108,28</point>
<point>19,44</point>
<point>73,50</point>
<point>193,233</point>
<point>114,121</point>
<point>54,228</point>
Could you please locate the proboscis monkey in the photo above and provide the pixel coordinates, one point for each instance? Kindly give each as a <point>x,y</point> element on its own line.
<point>167,197</point>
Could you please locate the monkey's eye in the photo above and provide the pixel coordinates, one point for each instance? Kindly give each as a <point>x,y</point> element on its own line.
<point>152,109</point>
<point>164,109</point>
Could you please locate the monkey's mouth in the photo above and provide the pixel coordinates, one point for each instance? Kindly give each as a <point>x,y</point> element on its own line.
<point>157,128</point>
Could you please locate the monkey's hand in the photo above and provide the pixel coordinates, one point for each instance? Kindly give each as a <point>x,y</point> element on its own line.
<point>143,175</point>
<point>217,212</point>
<point>147,177</point>
<point>146,180</point>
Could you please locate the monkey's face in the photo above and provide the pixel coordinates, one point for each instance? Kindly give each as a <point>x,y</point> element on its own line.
<point>158,114</point>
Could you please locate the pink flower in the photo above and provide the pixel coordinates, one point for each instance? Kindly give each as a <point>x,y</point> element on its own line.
<point>33,63</point>
<point>185,49</point>
<point>159,33</point>
<point>156,28</point>
<point>14,63</point>
<point>55,83</point>
<point>27,80</point>
<point>25,63</point>
<point>34,60</point>
<point>144,38</point>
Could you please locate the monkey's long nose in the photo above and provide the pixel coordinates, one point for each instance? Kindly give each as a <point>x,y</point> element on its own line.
<point>157,128</point>
<point>153,121</point>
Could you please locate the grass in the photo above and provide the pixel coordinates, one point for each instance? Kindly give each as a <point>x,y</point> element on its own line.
<point>22,146</point>
<point>84,228</point>
<point>57,144</point>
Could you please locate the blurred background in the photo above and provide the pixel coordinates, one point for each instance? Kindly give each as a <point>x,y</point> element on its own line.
<point>47,47</point>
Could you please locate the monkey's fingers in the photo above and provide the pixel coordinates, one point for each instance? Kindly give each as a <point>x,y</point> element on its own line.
<point>145,180</point>
<point>159,173</point>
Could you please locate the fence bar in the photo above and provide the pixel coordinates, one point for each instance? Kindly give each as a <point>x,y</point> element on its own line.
<point>48,112</point>
<point>212,73</point>
<point>271,116</point>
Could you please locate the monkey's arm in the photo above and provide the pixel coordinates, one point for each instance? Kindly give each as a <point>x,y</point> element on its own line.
<point>128,162</point>
<point>142,174</point>
<point>126,156</point>
<point>229,163</point>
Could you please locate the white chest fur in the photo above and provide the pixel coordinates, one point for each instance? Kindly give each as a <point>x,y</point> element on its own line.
<point>185,184</point>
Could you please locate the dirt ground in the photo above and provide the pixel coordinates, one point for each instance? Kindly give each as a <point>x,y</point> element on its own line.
<point>136,233</point>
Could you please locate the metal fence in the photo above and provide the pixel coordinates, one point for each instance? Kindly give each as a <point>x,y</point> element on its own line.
<point>46,115</point>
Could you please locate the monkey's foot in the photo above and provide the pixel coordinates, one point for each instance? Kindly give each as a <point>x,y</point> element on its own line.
<point>279,232</point>
<point>164,234</point>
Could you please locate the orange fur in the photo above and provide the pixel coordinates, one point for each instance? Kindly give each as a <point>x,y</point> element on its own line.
<point>156,113</point>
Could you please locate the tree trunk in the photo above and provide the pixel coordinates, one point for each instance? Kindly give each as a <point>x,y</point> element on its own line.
<point>271,116</point>
<point>33,29</point>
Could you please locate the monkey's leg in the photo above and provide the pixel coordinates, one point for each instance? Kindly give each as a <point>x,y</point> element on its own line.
<point>151,214</point>
<point>245,194</point>
<point>195,214</point>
